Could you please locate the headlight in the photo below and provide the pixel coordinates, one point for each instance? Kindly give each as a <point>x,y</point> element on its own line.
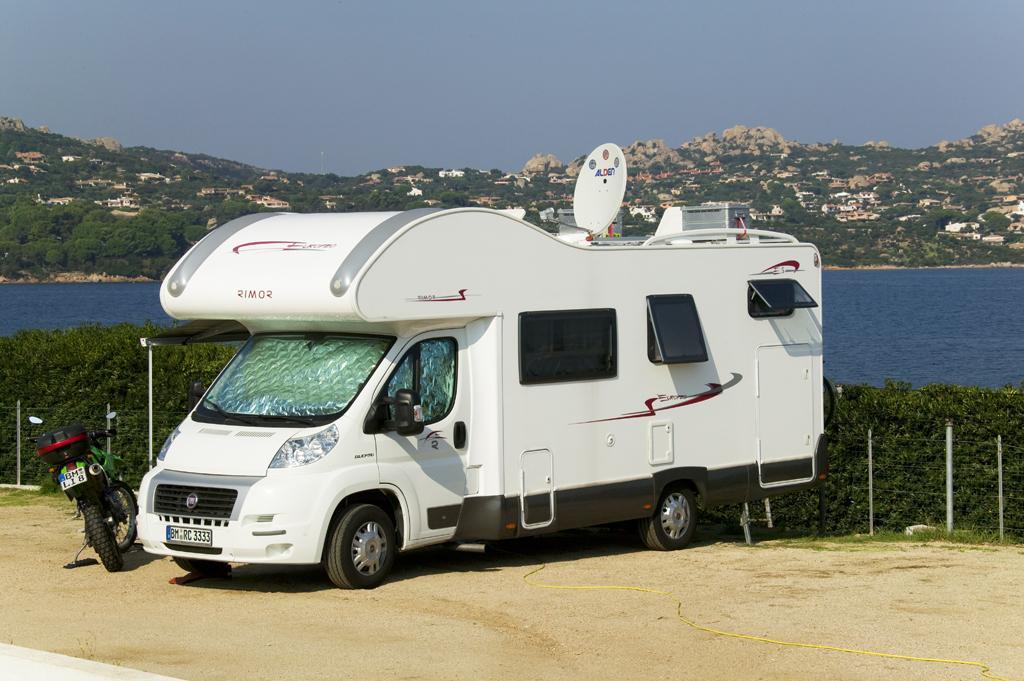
<point>167,443</point>
<point>300,451</point>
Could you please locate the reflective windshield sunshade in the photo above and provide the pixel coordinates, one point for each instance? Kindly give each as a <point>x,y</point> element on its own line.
<point>300,375</point>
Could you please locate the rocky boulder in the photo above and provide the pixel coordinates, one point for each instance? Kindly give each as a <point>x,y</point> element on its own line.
<point>740,140</point>
<point>542,163</point>
<point>15,124</point>
<point>108,143</point>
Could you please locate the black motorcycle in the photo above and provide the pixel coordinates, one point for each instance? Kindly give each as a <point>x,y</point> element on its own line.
<point>87,474</point>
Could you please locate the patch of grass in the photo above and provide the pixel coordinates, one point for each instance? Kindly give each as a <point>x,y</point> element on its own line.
<point>979,539</point>
<point>782,537</point>
<point>24,497</point>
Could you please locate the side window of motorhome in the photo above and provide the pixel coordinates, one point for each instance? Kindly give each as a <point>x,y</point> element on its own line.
<point>776,297</point>
<point>428,367</point>
<point>568,345</point>
<point>674,334</point>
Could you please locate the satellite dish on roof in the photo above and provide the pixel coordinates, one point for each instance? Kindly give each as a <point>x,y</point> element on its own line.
<point>600,187</point>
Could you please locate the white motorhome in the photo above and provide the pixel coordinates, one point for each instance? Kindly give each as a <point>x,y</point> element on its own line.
<point>430,376</point>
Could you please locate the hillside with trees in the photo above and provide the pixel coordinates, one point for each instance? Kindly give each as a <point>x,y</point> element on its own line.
<point>93,207</point>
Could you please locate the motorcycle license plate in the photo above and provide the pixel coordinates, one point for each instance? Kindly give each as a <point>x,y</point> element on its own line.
<point>69,477</point>
<point>189,535</point>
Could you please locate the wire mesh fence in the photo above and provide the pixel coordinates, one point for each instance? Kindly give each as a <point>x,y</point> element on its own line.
<point>908,483</point>
<point>131,443</point>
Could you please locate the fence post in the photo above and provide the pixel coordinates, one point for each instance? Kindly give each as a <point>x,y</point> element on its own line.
<point>871,485</point>
<point>999,468</point>
<point>108,428</point>
<point>17,415</point>
<point>149,350</point>
<point>949,477</point>
<point>821,507</point>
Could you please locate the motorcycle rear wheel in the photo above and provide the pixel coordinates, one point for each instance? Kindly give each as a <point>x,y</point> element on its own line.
<point>101,537</point>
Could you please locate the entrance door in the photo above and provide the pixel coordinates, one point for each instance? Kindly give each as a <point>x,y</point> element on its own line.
<point>785,413</point>
<point>431,467</point>
<point>536,491</point>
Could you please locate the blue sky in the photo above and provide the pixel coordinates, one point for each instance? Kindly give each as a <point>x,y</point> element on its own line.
<point>487,84</point>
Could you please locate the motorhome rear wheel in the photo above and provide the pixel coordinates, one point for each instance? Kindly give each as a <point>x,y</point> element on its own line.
<point>673,522</point>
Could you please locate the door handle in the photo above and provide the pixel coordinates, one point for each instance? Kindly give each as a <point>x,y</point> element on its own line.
<point>460,435</point>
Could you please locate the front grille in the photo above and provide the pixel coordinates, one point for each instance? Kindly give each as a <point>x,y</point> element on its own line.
<point>185,520</point>
<point>213,502</point>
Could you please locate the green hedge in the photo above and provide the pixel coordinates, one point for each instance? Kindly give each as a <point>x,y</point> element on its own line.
<point>909,451</point>
<point>73,374</point>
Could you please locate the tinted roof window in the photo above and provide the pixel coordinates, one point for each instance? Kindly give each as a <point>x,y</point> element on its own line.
<point>674,334</point>
<point>776,297</point>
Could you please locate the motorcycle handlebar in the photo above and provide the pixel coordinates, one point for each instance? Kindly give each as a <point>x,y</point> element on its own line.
<point>97,434</point>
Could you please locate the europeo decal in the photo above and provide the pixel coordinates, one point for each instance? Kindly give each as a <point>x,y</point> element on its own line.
<point>253,246</point>
<point>660,403</point>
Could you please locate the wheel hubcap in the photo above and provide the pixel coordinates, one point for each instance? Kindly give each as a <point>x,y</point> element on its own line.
<point>369,548</point>
<point>675,515</point>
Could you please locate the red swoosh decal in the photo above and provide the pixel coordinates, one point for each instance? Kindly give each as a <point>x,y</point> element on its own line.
<point>714,389</point>
<point>261,243</point>
<point>785,263</point>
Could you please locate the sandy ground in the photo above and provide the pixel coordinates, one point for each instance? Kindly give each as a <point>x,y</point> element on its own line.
<point>454,615</point>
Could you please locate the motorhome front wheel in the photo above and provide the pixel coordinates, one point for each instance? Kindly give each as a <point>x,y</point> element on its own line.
<point>673,522</point>
<point>361,548</point>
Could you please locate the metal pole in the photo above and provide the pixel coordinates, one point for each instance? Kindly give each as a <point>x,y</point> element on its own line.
<point>108,427</point>
<point>17,415</point>
<point>949,477</point>
<point>768,512</point>
<point>149,349</point>
<point>821,508</point>
<point>999,468</point>
<point>871,485</point>
<point>745,522</point>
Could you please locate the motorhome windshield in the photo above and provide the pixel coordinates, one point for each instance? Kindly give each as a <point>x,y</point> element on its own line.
<point>308,379</point>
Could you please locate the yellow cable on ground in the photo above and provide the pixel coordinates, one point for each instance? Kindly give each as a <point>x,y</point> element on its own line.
<point>983,668</point>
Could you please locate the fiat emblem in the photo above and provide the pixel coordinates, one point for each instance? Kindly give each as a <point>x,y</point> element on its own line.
<point>191,501</point>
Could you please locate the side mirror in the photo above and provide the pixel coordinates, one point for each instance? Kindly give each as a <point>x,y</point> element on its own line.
<point>407,414</point>
<point>196,390</point>
<point>35,420</point>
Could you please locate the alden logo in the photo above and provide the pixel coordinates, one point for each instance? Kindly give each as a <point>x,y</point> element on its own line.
<point>253,246</point>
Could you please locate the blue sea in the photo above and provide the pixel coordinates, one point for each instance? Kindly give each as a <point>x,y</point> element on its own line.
<point>961,326</point>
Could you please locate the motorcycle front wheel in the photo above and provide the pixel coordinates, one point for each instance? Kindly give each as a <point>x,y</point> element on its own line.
<point>124,513</point>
